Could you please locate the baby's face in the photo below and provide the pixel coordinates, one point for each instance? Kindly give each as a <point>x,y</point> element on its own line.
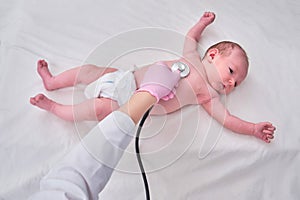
<point>229,71</point>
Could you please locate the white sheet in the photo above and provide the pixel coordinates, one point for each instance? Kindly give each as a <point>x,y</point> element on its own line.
<point>239,167</point>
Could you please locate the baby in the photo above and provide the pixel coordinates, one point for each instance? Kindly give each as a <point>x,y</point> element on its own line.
<point>223,67</point>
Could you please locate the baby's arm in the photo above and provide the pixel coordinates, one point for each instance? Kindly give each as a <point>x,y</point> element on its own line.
<point>194,34</point>
<point>262,130</point>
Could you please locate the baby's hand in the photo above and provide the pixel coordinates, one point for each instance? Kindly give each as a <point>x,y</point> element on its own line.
<point>264,131</point>
<point>207,18</point>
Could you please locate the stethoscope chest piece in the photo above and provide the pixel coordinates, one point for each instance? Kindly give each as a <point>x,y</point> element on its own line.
<point>182,67</point>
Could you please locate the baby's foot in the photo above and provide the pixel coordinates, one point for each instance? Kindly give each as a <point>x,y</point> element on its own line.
<point>42,102</point>
<point>43,70</point>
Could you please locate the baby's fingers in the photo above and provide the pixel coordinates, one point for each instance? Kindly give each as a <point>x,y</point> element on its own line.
<point>267,131</point>
<point>267,138</point>
<point>270,126</point>
<point>270,136</point>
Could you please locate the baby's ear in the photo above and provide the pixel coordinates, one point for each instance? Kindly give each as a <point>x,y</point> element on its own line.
<point>211,54</point>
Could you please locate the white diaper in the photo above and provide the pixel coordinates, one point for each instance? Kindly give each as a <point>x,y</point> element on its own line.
<point>119,86</point>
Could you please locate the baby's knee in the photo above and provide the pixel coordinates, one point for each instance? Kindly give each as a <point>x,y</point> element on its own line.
<point>104,106</point>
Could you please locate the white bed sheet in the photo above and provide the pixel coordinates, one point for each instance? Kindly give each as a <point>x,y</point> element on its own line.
<point>238,167</point>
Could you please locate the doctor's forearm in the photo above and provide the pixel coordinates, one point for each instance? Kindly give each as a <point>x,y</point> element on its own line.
<point>138,104</point>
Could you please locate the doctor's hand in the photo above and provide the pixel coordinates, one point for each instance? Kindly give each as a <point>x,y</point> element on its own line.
<point>160,81</point>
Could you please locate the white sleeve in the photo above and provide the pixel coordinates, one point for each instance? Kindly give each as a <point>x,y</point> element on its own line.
<point>84,172</point>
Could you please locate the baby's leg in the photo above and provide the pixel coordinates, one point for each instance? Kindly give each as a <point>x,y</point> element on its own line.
<point>84,74</point>
<point>90,110</point>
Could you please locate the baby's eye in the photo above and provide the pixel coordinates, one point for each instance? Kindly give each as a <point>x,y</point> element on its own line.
<point>230,70</point>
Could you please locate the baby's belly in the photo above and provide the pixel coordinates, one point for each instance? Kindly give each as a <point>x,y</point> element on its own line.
<point>184,95</point>
<point>165,107</point>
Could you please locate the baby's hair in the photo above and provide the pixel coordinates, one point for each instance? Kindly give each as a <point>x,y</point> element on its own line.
<point>225,48</point>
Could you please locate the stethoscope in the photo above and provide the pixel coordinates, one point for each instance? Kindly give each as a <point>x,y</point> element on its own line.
<point>184,71</point>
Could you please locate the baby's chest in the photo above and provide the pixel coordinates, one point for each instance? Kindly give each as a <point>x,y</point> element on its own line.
<point>193,90</point>
<point>186,93</point>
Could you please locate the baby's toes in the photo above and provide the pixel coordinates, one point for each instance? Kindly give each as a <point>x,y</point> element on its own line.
<point>39,97</point>
<point>42,63</point>
<point>33,101</point>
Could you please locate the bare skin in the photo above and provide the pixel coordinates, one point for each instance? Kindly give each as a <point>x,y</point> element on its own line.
<point>42,102</point>
<point>92,109</point>
<point>209,77</point>
<point>79,75</point>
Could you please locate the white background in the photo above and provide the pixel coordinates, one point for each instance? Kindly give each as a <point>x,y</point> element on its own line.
<point>239,167</point>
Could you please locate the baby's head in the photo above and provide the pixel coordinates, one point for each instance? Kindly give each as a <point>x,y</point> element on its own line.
<point>226,64</point>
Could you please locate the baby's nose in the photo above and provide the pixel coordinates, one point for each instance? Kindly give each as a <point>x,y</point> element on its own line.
<point>231,82</point>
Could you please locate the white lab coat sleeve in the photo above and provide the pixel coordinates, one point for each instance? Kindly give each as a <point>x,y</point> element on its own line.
<point>85,170</point>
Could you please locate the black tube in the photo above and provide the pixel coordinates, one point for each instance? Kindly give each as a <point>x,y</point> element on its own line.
<point>138,155</point>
